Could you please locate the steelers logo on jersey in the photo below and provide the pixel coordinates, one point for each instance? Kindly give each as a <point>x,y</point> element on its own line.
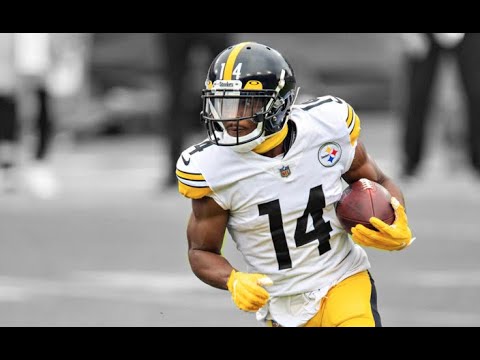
<point>329,154</point>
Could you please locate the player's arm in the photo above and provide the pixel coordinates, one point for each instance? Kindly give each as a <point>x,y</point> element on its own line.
<point>205,233</point>
<point>363,166</point>
<point>388,237</point>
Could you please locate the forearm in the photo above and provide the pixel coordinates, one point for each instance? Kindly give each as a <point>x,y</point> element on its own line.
<point>213,269</point>
<point>393,188</point>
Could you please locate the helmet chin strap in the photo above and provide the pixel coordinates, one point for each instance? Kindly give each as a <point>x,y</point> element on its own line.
<point>249,146</point>
<point>264,143</point>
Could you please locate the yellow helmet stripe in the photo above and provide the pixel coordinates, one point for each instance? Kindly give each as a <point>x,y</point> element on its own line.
<point>227,73</point>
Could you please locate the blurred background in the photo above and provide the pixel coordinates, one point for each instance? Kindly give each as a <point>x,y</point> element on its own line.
<point>92,228</point>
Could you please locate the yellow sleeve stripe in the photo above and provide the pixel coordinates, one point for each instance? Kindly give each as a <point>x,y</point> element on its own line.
<point>350,116</point>
<point>189,176</point>
<point>193,192</point>
<point>355,132</point>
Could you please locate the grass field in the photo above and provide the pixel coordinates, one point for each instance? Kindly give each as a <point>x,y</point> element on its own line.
<point>109,249</point>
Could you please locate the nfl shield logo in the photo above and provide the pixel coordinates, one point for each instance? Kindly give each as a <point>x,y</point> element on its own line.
<point>285,171</point>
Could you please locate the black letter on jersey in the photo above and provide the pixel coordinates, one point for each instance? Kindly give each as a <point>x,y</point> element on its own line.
<point>201,146</point>
<point>316,203</point>
<point>315,104</point>
<point>272,209</point>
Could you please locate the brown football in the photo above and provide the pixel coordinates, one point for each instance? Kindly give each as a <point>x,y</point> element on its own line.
<point>362,200</point>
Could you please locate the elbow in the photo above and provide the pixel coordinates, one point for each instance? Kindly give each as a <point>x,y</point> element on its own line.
<point>192,257</point>
<point>197,259</point>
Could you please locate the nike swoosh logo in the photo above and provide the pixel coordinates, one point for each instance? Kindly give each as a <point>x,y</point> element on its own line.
<point>185,161</point>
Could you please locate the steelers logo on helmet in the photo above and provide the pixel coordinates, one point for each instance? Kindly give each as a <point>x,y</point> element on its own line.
<point>247,82</point>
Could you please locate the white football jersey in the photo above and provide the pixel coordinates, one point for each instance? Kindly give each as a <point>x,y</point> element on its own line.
<point>282,210</point>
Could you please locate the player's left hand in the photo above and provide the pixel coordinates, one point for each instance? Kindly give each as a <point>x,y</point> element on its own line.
<point>388,237</point>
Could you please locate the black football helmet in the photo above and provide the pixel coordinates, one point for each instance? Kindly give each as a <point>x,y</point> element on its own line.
<point>247,81</point>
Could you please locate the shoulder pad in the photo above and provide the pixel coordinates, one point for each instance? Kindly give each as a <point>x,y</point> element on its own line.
<point>336,109</point>
<point>191,182</point>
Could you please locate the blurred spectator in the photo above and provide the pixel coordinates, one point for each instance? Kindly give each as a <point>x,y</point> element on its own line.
<point>34,64</point>
<point>34,61</point>
<point>9,127</point>
<point>183,111</point>
<point>424,53</point>
<point>469,60</point>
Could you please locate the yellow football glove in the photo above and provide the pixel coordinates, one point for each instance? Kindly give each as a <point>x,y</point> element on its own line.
<point>388,237</point>
<point>247,291</point>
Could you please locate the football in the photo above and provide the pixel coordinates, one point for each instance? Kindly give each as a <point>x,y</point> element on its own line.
<point>360,201</point>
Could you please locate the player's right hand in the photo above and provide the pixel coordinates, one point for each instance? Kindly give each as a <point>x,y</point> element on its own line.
<point>247,291</point>
<point>388,237</point>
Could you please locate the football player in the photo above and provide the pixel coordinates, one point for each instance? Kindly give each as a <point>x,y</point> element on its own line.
<point>271,172</point>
